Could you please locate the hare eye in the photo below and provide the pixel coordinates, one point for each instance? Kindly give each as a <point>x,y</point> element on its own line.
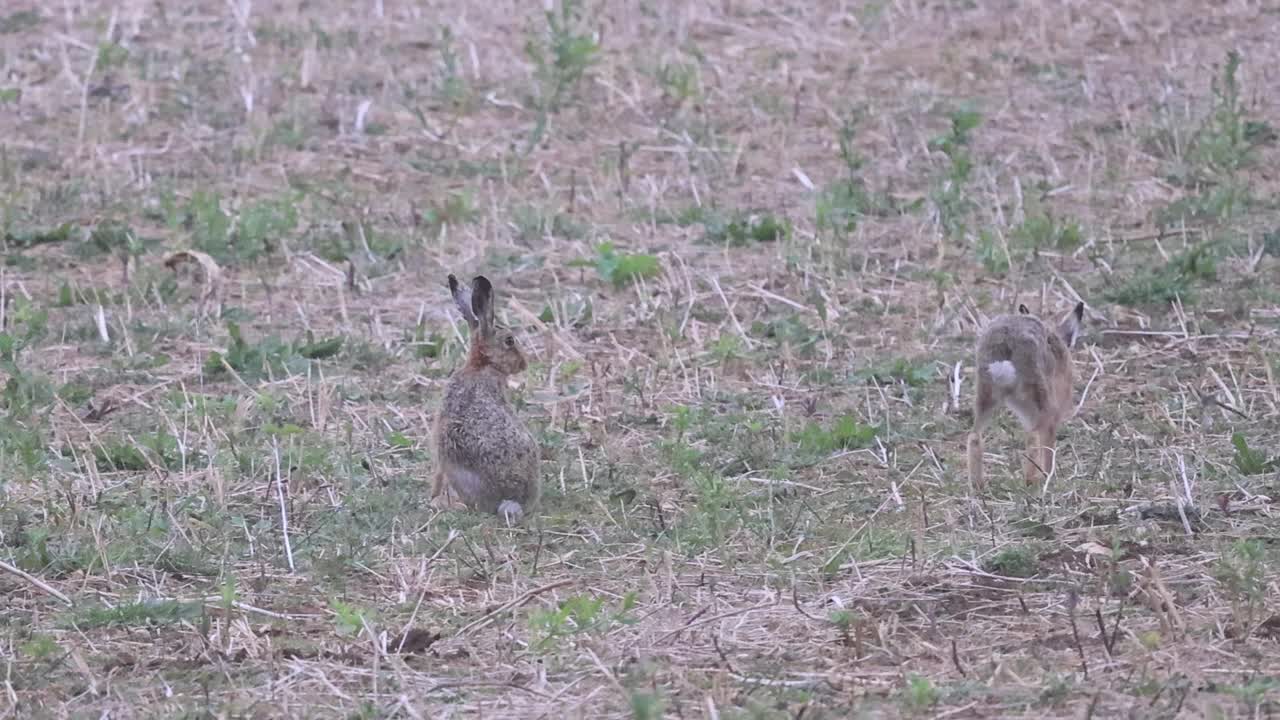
<point>510,341</point>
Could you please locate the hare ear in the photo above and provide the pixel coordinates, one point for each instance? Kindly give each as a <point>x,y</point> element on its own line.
<point>1070,327</point>
<point>462,298</point>
<point>1022,309</point>
<point>482,301</point>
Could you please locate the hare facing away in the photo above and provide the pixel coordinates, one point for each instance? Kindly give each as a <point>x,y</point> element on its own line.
<point>1025,364</point>
<point>484,453</point>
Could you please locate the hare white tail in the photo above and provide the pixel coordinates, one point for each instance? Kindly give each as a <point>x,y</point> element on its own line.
<point>511,511</point>
<point>1003,373</point>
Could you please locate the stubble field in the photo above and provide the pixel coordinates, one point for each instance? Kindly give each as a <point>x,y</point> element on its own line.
<point>747,247</point>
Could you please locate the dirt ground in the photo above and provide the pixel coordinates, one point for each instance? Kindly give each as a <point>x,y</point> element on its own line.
<point>747,247</point>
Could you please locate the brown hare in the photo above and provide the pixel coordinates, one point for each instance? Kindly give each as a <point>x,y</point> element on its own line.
<point>1025,364</point>
<point>484,453</point>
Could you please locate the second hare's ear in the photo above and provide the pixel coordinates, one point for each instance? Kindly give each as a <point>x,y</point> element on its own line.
<point>482,302</point>
<point>1071,325</point>
<point>462,298</point>
<point>1022,309</point>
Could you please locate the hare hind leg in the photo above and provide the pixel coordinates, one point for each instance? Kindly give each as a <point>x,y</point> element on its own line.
<point>984,406</point>
<point>1038,462</point>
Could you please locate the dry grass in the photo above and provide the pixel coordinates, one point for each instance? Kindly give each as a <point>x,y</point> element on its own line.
<point>756,504</point>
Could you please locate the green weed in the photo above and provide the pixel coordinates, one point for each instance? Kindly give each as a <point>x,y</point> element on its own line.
<point>456,209</point>
<point>1242,572</point>
<point>1019,561</point>
<point>452,88</point>
<point>741,229</point>
<point>679,82</point>
<point>245,238</point>
<point>40,647</point>
<point>142,613</point>
<point>20,21</point>
<point>1176,280</point>
<point>111,55</point>
<point>1214,205</point>
<point>790,331</point>
<point>1249,461</point>
<point>32,238</point>
<point>899,370</point>
<point>532,224</point>
<point>621,269</point>
<point>262,224</point>
<point>426,343</point>
<point>1222,144</point>
<point>993,254</point>
<point>349,619</point>
<point>646,705</point>
<point>1217,151</point>
<point>578,615</point>
<point>919,693</point>
<point>1041,230</point>
<point>842,204</point>
<point>1254,693</point>
<point>157,449</point>
<point>846,433</point>
<point>949,197</point>
<point>269,356</point>
<point>561,55</point>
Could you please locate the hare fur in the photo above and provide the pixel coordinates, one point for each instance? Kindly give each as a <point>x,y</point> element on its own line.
<point>1025,364</point>
<point>484,453</point>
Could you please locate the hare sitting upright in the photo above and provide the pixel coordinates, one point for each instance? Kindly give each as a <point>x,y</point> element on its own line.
<point>1025,365</point>
<point>484,453</point>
